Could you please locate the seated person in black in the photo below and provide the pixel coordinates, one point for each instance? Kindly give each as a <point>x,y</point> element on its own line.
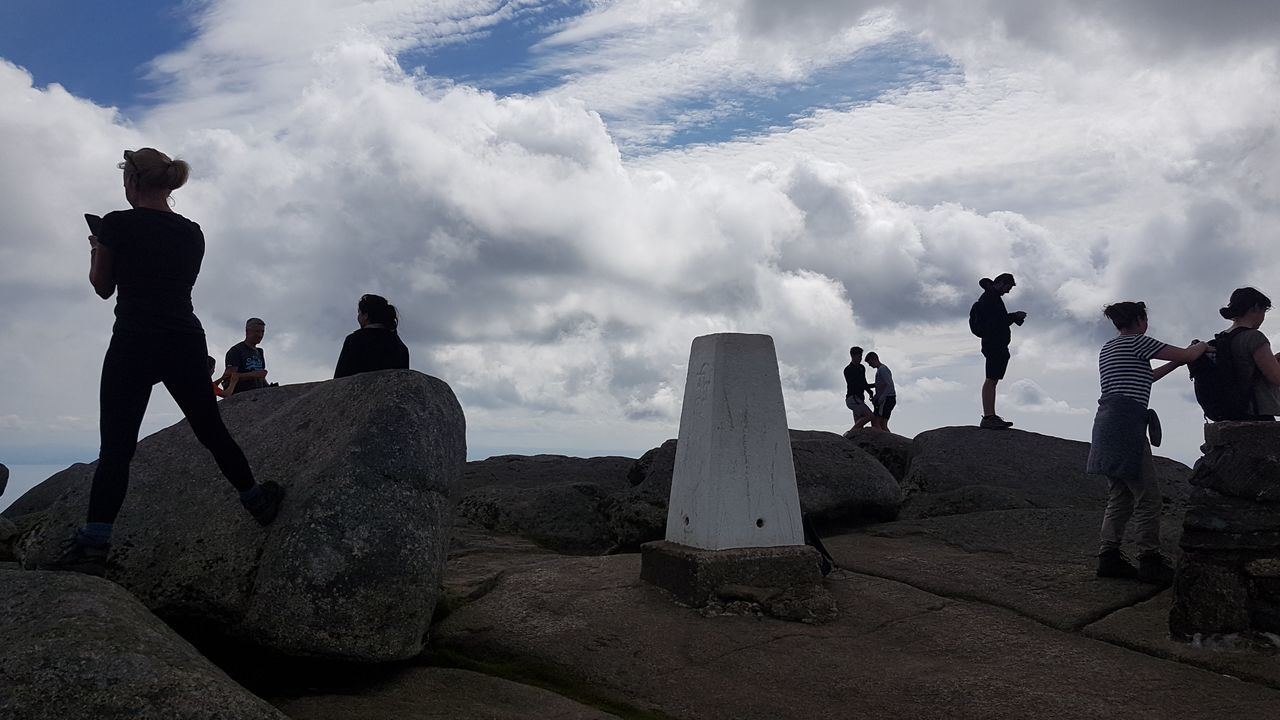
<point>376,345</point>
<point>246,362</point>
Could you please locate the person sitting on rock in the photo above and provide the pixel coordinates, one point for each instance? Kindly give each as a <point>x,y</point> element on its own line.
<point>885,398</point>
<point>151,256</point>
<point>1119,448</point>
<point>855,379</point>
<point>1251,354</point>
<point>217,382</point>
<point>376,345</point>
<point>246,362</point>
<point>991,320</point>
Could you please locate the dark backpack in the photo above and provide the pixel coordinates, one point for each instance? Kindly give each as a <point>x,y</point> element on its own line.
<point>1222,394</point>
<point>975,321</point>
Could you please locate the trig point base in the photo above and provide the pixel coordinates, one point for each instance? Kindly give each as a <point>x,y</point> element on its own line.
<point>696,576</point>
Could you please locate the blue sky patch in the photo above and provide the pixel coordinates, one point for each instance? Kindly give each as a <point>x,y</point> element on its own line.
<point>96,50</point>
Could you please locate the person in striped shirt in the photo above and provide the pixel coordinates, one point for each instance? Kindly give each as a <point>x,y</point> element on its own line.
<point>1119,449</point>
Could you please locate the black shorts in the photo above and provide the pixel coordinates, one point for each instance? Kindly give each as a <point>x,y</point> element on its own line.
<point>997,361</point>
<point>884,408</point>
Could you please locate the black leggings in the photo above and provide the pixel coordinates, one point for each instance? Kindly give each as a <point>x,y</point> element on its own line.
<point>134,363</point>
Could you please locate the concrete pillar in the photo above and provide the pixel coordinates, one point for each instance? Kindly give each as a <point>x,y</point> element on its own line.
<point>734,484</point>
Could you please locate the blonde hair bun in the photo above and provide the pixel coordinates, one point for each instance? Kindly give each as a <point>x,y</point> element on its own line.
<point>154,169</point>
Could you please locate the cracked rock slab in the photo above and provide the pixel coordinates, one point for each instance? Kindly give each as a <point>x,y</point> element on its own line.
<point>1038,563</point>
<point>898,652</point>
<point>432,693</point>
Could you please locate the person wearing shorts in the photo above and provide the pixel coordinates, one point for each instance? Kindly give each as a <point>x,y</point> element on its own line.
<point>991,320</point>
<point>856,386</point>
<point>886,397</point>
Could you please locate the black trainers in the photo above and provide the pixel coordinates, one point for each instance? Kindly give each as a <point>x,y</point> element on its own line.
<point>79,557</point>
<point>994,422</point>
<point>1114,564</point>
<point>1155,569</point>
<point>267,505</point>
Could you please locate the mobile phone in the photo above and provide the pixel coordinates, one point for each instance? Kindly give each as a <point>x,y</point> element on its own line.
<point>95,223</point>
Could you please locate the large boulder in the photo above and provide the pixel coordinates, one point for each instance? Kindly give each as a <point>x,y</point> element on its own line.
<point>892,450</point>
<point>351,568</point>
<point>59,485</point>
<point>959,470</point>
<point>837,482</point>
<point>74,646</point>
<point>553,500</point>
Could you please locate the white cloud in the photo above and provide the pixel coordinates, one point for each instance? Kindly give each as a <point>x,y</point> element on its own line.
<point>556,282</point>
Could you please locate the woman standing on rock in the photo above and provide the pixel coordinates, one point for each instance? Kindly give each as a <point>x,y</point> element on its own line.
<point>151,256</point>
<point>1120,450</point>
<point>1251,355</point>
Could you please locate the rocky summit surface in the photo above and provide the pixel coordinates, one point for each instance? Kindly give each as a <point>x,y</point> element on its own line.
<point>979,601</point>
<point>350,569</point>
<point>73,646</point>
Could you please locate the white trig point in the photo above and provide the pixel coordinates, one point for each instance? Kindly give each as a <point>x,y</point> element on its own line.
<point>734,483</point>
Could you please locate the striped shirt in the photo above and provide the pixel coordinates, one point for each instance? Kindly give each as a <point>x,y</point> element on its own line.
<point>1124,366</point>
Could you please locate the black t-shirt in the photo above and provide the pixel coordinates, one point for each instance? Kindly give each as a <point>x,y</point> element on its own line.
<point>156,257</point>
<point>243,358</point>
<point>371,348</point>
<point>855,379</point>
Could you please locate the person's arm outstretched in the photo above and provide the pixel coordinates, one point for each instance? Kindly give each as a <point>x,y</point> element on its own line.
<point>1178,357</point>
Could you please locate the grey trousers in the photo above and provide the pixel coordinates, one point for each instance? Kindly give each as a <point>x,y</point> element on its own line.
<point>1137,499</point>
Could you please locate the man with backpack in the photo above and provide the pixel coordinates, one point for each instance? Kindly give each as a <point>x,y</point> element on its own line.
<point>990,320</point>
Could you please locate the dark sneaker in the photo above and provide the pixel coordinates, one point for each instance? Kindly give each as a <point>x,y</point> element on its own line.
<point>1155,569</point>
<point>1114,564</point>
<point>994,422</point>
<point>79,557</point>
<point>267,505</point>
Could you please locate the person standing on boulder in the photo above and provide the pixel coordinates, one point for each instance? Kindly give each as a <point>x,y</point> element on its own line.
<point>885,398</point>
<point>990,320</point>
<point>376,345</point>
<point>855,380</point>
<point>149,257</point>
<point>1119,448</point>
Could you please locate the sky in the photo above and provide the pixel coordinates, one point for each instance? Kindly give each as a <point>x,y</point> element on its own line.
<point>559,195</point>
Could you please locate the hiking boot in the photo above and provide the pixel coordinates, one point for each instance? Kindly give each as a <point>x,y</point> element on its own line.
<point>266,506</point>
<point>1155,569</point>
<point>1114,564</point>
<point>80,557</point>
<point>994,422</point>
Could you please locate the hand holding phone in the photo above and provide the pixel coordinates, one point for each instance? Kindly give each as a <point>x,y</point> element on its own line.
<point>95,223</point>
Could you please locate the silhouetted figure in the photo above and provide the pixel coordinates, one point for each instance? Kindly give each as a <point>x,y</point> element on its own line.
<point>376,345</point>
<point>1253,364</point>
<point>151,256</point>
<point>247,362</point>
<point>885,398</point>
<point>855,380</point>
<point>990,320</point>
<point>1119,448</point>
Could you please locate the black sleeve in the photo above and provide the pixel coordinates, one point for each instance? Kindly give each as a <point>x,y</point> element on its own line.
<point>234,360</point>
<point>112,229</point>
<point>346,360</point>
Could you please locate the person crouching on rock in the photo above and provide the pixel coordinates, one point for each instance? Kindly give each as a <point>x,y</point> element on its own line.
<point>1119,448</point>
<point>376,345</point>
<point>149,257</point>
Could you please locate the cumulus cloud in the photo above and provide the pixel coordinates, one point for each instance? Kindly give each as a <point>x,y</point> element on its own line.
<point>554,277</point>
